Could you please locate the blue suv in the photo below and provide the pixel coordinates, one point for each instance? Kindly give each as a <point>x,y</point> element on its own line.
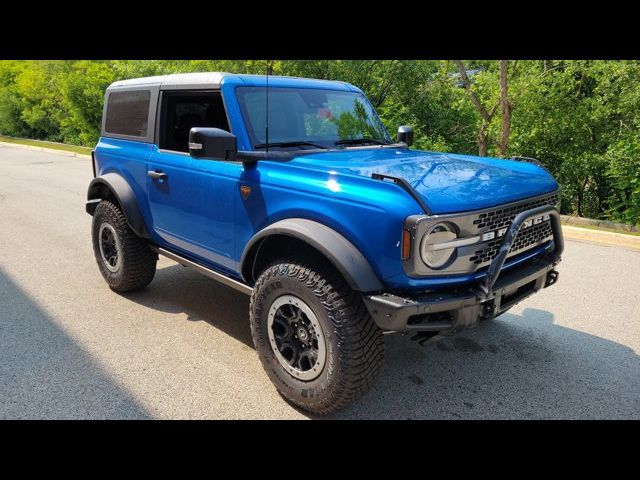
<point>292,191</point>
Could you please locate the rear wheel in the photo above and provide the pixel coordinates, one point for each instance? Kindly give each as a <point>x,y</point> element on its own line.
<point>124,259</point>
<point>314,336</point>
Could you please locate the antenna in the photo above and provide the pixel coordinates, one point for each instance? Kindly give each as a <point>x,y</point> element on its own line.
<point>266,123</point>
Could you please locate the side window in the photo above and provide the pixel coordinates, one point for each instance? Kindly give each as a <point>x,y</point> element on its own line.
<point>181,111</point>
<point>128,113</point>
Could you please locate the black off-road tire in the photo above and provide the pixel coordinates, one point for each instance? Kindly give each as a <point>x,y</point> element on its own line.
<point>354,343</point>
<point>138,263</point>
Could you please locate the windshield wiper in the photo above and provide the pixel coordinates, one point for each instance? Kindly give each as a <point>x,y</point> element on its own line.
<point>289,144</point>
<point>356,141</point>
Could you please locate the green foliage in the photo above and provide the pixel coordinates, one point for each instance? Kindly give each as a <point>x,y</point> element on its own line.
<point>83,101</point>
<point>581,118</point>
<point>623,171</point>
<point>10,119</point>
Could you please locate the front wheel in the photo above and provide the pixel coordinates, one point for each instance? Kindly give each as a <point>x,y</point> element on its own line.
<point>314,336</point>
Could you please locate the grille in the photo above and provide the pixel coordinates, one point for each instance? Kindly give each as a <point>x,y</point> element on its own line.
<point>525,238</point>
<point>503,217</point>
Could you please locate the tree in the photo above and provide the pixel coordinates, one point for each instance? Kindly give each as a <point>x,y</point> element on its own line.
<point>505,108</point>
<point>486,114</point>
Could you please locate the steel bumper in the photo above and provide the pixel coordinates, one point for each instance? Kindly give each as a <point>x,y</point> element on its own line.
<point>463,307</point>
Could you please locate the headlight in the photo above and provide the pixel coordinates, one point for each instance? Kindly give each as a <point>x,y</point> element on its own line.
<point>432,252</point>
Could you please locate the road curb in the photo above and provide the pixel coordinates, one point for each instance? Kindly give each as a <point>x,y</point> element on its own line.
<point>581,221</point>
<point>44,149</point>
<point>603,238</point>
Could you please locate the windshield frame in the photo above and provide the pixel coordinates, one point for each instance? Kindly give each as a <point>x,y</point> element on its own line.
<point>328,145</point>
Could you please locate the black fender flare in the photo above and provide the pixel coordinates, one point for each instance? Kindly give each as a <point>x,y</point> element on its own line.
<point>347,259</point>
<point>125,196</point>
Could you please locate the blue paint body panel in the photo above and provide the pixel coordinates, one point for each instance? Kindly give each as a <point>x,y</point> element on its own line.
<point>194,210</point>
<point>200,213</point>
<point>448,183</point>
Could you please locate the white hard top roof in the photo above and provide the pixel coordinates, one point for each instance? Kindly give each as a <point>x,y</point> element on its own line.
<point>201,79</point>
<point>206,80</point>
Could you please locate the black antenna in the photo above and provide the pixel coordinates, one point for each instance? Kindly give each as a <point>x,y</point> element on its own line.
<point>266,123</point>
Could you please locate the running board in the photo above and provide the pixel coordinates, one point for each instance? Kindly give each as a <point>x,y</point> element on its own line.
<point>219,277</point>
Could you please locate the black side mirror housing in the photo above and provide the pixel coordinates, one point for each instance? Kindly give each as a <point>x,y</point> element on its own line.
<point>405,135</point>
<point>212,144</point>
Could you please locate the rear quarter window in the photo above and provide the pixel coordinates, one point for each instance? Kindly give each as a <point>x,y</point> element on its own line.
<point>128,113</point>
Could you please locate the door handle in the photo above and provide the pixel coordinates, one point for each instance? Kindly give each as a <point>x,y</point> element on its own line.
<point>157,175</point>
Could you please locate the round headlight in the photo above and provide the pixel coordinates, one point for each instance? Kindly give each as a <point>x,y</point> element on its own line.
<point>432,255</point>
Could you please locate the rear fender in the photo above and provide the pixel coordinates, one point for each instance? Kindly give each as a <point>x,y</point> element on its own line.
<point>114,186</point>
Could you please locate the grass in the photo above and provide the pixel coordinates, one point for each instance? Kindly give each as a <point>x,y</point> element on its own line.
<point>52,145</point>
<point>603,229</point>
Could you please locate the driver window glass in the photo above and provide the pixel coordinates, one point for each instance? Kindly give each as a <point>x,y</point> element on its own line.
<point>183,111</point>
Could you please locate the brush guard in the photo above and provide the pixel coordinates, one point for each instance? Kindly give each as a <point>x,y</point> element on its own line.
<point>454,309</point>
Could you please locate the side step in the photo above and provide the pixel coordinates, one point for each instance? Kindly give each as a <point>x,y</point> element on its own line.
<point>219,277</point>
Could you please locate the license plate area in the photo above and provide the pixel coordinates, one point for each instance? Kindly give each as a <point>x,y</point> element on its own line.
<point>511,298</point>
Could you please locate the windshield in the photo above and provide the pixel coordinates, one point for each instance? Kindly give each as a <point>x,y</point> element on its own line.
<point>310,118</point>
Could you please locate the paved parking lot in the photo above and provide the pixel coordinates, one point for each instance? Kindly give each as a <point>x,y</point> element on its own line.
<point>71,348</point>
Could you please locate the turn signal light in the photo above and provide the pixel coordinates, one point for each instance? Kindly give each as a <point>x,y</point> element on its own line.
<point>406,244</point>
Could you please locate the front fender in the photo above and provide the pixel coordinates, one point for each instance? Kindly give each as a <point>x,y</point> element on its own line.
<point>115,185</point>
<point>347,259</point>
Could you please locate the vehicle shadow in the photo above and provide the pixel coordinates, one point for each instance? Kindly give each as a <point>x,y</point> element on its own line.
<point>514,367</point>
<point>177,289</point>
<point>45,374</point>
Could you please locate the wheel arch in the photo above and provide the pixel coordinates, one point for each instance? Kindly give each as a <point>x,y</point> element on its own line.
<point>114,187</point>
<point>331,245</point>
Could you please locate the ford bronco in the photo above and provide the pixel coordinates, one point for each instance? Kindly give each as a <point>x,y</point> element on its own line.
<point>292,191</point>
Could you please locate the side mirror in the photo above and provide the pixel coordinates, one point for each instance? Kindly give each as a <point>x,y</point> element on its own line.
<point>212,144</point>
<point>405,135</point>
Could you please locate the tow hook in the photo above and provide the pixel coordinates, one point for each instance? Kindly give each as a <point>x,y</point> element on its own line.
<point>488,310</point>
<point>552,277</point>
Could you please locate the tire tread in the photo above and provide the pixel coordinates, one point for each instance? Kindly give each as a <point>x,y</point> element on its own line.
<point>360,343</point>
<point>139,262</point>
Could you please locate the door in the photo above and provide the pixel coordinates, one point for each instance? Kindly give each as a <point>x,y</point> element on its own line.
<point>192,202</point>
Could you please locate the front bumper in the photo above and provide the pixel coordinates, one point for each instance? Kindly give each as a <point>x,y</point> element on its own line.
<point>463,307</point>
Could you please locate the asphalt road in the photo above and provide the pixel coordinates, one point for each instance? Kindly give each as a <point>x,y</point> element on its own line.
<point>71,348</point>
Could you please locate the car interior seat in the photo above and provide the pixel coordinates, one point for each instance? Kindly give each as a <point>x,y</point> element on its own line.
<point>184,125</point>
<point>216,118</point>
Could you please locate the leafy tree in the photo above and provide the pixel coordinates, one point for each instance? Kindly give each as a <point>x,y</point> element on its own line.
<point>11,122</point>
<point>83,100</point>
